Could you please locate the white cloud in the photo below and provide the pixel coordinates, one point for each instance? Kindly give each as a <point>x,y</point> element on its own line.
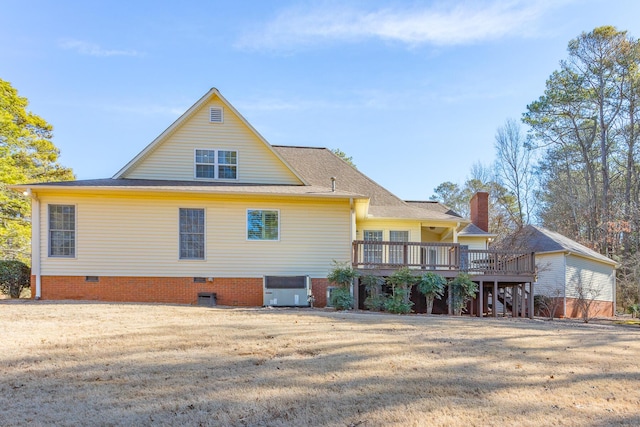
<point>448,23</point>
<point>92,49</point>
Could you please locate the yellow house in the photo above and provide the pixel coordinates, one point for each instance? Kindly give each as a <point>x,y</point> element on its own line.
<point>211,208</point>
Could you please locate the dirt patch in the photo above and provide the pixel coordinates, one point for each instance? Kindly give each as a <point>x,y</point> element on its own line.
<point>143,364</point>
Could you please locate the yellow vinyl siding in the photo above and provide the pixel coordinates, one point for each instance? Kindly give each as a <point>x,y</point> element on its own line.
<point>477,243</point>
<point>413,227</point>
<point>138,236</point>
<point>174,158</point>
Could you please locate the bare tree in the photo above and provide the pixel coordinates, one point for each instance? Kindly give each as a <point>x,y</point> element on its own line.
<point>586,297</point>
<point>549,303</point>
<point>515,171</point>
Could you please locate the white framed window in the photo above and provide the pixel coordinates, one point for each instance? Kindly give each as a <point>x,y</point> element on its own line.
<point>216,164</point>
<point>191,233</point>
<point>62,231</point>
<point>396,252</point>
<point>263,224</point>
<point>372,251</point>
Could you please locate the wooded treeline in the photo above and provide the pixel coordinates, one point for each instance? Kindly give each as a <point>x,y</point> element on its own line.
<point>584,132</point>
<point>27,154</point>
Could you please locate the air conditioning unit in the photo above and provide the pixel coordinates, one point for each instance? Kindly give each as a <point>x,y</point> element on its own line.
<point>287,291</point>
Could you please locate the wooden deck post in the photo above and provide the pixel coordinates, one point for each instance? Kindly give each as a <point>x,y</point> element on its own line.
<point>480,299</point>
<point>514,301</point>
<point>449,300</point>
<point>495,298</point>
<point>525,301</point>
<point>531,300</point>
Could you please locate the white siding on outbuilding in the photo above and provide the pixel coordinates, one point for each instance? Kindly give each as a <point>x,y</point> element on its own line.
<point>551,274</point>
<point>596,278</point>
<point>137,235</point>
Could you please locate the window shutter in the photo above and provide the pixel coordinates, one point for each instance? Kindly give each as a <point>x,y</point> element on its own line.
<point>215,115</point>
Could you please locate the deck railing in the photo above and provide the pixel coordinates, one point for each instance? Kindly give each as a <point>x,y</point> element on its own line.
<point>440,256</point>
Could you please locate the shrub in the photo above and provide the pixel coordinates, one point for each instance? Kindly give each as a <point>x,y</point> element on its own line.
<point>401,282</point>
<point>431,285</point>
<point>342,275</point>
<point>462,290</point>
<point>375,297</point>
<point>341,298</point>
<point>14,277</point>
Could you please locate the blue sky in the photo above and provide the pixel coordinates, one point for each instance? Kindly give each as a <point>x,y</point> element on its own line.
<point>413,90</point>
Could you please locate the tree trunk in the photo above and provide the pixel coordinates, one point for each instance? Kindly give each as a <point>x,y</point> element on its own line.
<point>430,299</point>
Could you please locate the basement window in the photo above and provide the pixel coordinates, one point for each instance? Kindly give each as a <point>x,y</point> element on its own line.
<point>199,280</point>
<point>92,279</point>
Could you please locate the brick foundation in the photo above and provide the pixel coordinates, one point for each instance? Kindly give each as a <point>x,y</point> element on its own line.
<point>177,290</point>
<point>319,291</point>
<point>598,308</point>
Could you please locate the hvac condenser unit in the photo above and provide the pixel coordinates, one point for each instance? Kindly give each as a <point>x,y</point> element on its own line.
<point>287,291</point>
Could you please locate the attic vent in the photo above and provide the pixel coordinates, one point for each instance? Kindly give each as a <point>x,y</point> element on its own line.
<point>215,115</point>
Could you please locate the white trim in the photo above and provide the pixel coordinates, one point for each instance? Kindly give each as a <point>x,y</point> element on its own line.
<point>204,237</point>
<point>75,231</point>
<point>246,219</point>
<point>35,243</point>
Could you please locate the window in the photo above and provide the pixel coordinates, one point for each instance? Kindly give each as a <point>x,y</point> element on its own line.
<point>216,164</point>
<point>191,233</point>
<point>372,252</point>
<point>62,231</point>
<point>263,225</point>
<point>396,252</point>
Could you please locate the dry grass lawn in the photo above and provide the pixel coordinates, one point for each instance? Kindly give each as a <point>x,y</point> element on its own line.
<point>64,363</point>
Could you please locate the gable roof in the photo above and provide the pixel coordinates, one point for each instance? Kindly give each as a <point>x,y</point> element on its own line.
<point>211,94</point>
<point>317,166</point>
<point>541,240</point>
<point>472,230</point>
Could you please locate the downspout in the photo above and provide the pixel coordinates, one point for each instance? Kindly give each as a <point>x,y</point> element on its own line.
<point>564,285</point>
<point>35,241</point>
<point>352,237</point>
<point>615,296</point>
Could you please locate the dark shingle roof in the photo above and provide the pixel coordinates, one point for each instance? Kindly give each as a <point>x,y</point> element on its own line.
<point>539,239</point>
<point>317,165</point>
<point>195,186</point>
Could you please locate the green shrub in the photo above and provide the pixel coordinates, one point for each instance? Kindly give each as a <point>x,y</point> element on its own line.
<point>341,298</point>
<point>14,277</point>
<point>431,285</point>
<point>375,297</point>
<point>462,290</point>
<point>342,274</point>
<point>396,304</point>
<point>634,310</point>
<point>401,282</point>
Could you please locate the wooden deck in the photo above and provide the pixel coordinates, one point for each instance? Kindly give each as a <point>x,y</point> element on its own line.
<point>447,259</point>
<point>507,276</point>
